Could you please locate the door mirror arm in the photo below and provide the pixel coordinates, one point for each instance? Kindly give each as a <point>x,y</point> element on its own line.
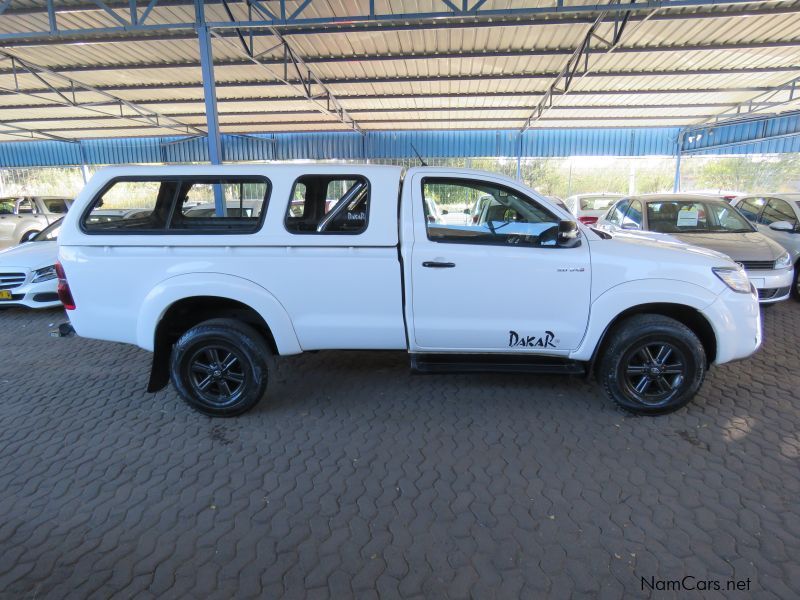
<point>568,234</point>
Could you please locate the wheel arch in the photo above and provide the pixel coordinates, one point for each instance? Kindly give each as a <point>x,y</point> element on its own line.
<point>174,307</point>
<point>688,315</point>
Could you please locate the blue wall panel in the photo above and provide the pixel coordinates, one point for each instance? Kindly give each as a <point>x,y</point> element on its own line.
<point>782,133</point>
<point>546,143</point>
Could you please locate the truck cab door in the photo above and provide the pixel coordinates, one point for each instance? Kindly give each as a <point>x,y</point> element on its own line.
<point>500,283</point>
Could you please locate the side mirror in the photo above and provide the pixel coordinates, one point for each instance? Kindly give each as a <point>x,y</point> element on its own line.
<point>568,234</point>
<point>782,226</point>
<point>466,211</point>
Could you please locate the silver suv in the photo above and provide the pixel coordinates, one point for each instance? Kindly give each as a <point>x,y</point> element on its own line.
<point>778,217</point>
<point>22,217</point>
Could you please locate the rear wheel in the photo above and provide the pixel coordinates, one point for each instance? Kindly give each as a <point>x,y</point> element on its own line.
<point>652,365</point>
<point>220,367</point>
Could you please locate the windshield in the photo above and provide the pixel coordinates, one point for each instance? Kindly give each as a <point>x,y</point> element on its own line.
<point>695,216</point>
<point>597,202</point>
<point>49,233</point>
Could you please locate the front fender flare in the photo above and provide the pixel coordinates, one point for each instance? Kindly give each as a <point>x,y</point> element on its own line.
<point>618,299</point>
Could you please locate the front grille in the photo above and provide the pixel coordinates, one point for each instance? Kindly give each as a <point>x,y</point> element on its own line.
<point>769,293</point>
<point>9,281</point>
<point>757,265</point>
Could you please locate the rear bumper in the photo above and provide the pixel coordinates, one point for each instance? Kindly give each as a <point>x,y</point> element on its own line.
<point>772,286</point>
<point>736,320</point>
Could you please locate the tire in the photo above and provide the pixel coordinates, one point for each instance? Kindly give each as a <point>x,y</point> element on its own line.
<point>198,367</point>
<point>633,373</point>
<point>796,282</point>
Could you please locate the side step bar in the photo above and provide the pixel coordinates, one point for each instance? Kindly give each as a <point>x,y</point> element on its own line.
<point>495,363</point>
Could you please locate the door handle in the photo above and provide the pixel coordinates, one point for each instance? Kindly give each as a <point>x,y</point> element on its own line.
<point>432,264</point>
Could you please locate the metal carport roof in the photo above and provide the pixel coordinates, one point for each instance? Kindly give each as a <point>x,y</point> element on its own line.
<point>83,69</point>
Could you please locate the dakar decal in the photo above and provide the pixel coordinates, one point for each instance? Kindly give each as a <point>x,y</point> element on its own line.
<point>516,340</point>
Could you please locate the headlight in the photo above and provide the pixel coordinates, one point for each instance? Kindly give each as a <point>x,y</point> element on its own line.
<point>784,261</point>
<point>736,279</point>
<point>45,274</point>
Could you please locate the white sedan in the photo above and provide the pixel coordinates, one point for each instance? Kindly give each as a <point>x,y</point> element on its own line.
<point>28,273</point>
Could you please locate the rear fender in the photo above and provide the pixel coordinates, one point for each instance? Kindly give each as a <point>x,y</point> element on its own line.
<point>189,285</point>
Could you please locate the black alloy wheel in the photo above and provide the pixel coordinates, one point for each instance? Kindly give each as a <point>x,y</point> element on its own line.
<point>216,374</point>
<point>651,364</point>
<point>220,367</point>
<point>654,372</point>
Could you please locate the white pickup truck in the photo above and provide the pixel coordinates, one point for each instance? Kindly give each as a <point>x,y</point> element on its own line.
<point>314,257</point>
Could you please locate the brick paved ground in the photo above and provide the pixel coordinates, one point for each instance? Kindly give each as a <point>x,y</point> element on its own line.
<point>357,479</point>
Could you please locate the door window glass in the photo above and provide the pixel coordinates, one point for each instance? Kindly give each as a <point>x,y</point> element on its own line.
<point>750,208</point>
<point>504,217</point>
<point>633,216</point>
<point>777,210</point>
<point>617,212</point>
<point>26,207</point>
<point>55,205</point>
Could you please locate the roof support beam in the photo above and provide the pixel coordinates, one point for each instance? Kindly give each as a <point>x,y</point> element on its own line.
<point>7,128</point>
<point>578,64</point>
<point>297,19</point>
<point>343,27</point>
<point>51,79</point>
<point>401,111</point>
<point>307,84</point>
<point>236,85</point>
<point>477,54</point>
<point>510,123</point>
<point>775,98</point>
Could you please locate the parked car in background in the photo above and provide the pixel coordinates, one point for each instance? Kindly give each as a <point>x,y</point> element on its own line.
<point>22,217</point>
<point>711,223</point>
<point>524,289</point>
<point>27,272</point>
<point>591,207</point>
<point>727,195</point>
<point>778,217</point>
<point>248,208</point>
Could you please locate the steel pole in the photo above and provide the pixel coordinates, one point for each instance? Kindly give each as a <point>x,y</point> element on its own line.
<point>212,117</point>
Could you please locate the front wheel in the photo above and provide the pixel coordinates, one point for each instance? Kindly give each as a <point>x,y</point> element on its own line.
<point>220,367</point>
<point>652,365</point>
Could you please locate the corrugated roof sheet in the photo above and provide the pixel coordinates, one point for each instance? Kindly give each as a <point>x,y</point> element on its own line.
<point>676,68</point>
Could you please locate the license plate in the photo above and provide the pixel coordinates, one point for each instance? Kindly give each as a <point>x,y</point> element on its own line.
<point>5,295</point>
